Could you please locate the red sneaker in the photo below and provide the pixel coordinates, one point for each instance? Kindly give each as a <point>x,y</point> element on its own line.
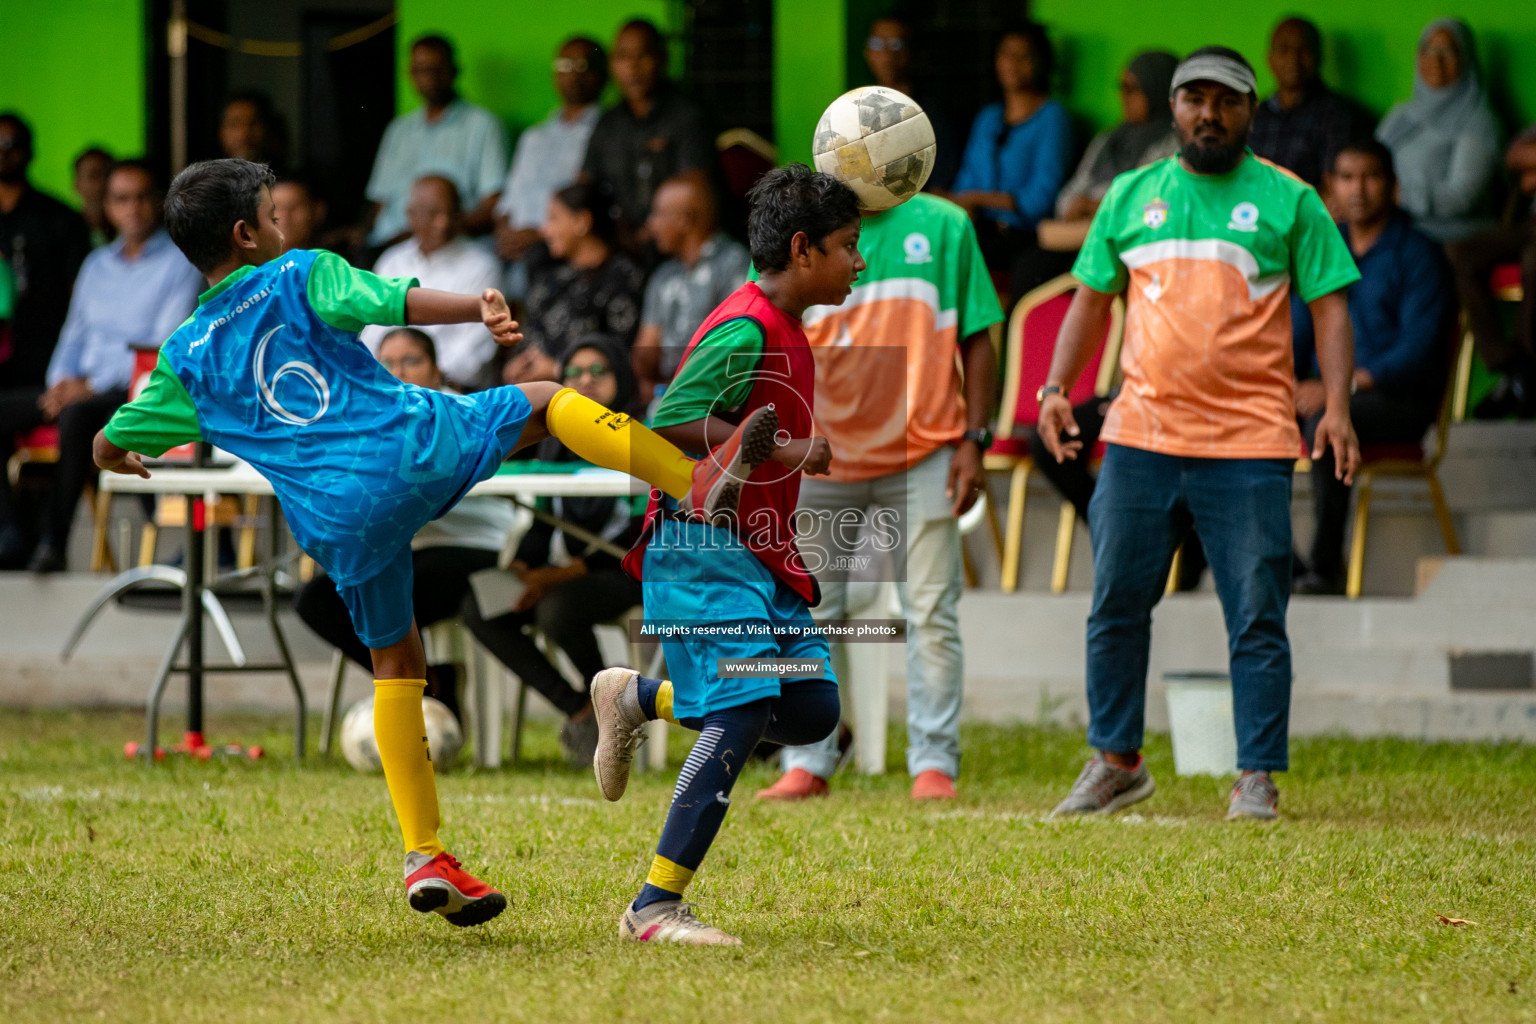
<point>719,476</point>
<point>440,886</point>
<point>795,784</point>
<point>933,785</point>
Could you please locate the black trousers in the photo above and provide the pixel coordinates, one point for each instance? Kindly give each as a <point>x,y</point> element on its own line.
<point>1379,419</point>
<point>77,425</point>
<point>1474,260</point>
<point>566,616</point>
<point>1076,484</point>
<point>1019,253</point>
<point>442,584</point>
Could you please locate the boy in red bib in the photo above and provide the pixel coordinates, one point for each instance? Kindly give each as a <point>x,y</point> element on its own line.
<point>739,589</point>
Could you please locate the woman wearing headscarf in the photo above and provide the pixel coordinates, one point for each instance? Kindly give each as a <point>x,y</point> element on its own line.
<point>1445,139</point>
<point>569,584</point>
<point>1144,135</point>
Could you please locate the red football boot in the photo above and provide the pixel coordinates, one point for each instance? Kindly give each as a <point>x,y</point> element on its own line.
<point>440,886</point>
<point>719,476</point>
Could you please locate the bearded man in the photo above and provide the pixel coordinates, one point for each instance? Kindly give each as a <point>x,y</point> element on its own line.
<point>1207,247</point>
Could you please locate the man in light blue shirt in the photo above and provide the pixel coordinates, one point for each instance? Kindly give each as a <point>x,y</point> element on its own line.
<point>446,136</point>
<point>549,154</point>
<point>132,293</point>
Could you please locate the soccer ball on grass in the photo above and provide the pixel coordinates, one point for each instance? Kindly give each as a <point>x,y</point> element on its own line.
<point>444,737</point>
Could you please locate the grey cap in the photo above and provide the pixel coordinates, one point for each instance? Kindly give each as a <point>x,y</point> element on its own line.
<point>1214,67</point>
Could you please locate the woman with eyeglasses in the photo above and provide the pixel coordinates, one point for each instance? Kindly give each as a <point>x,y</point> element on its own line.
<point>1018,156</point>
<point>579,283</point>
<point>570,585</point>
<point>447,551</point>
<point>1445,139</point>
<point>1144,135</point>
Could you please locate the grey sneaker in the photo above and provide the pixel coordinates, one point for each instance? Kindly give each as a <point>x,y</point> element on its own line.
<point>1254,796</point>
<point>620,728</point>
<point>1103,788</point>
<point>578,740</point>
<point>671,921</point>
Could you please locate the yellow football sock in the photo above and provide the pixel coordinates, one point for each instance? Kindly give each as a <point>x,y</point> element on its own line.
<point>664,701</point>
<point>669,876</point>
<point>401,734</point>
<point>616,441</point>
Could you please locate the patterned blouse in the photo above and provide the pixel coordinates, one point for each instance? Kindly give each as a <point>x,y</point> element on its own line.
<point>566,303</point>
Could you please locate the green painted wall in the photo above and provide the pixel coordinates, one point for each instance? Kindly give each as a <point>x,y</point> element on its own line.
<point>809,69</point>
<point>1368,44</point>
<point>75,70</point>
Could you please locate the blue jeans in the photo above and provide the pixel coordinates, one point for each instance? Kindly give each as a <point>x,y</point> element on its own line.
<point>1142,508</point>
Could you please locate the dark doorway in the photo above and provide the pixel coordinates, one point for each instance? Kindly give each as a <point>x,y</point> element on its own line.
<point>328,67</point>
<point>729,47</point>
<point>349,98</point>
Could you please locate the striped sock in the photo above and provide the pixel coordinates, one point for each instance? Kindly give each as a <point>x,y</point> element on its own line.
<point>702,797</point>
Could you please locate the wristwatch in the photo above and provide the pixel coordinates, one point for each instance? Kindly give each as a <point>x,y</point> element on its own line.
<point>1048,389</point>
<point>982,437</point>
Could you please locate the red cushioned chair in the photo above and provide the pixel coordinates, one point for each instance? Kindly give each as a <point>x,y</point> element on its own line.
<point>39,446</point>
<point>1030,343</point>
<point>1409,461</point>
<point>1505,283</point>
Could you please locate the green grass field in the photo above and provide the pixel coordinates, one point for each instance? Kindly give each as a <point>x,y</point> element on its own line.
<point>234,891</point>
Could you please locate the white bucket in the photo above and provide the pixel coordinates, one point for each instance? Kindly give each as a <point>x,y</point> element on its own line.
<point>1200,719</point>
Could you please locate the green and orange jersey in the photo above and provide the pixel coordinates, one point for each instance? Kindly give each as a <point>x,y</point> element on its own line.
<point>888,382</point>
<point>1208,263</point>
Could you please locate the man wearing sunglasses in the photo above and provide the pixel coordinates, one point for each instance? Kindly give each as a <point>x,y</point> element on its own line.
<point>548,155</point>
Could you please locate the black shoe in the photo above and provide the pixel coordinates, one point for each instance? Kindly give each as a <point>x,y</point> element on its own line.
<point>1318,585</point>
<point>47,559</point>
<point>443,685</point>
<point>1510,396</point>
<point>14,550</point>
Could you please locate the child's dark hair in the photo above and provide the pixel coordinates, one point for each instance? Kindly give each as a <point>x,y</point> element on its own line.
<point>791,199</point>
<point>421,339</point>
<point>206,200</point>
<point>588,198</point>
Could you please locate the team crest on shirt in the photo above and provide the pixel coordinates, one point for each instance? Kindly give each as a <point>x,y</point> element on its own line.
<point>1155,214</point>
<point>1245,217</point>
<point>918,248</point>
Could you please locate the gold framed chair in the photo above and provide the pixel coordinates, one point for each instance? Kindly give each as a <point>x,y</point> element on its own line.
<point>1030,344</point>
<point>1412,461</point>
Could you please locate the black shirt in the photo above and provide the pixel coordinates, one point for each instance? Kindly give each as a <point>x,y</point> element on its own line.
<point>566,303</point>
<point>45,242</point>
<point>1303,138</point>
<point>633,155</point>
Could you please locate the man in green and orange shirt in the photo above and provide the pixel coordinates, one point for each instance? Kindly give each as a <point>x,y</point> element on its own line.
<point>1207,247</point>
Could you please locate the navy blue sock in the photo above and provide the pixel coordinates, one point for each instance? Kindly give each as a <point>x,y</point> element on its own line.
<point>648,690</point>
<point>702,797</point>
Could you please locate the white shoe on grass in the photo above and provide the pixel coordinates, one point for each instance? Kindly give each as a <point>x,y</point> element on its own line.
<point>620,728</point>
<point>671,921</point>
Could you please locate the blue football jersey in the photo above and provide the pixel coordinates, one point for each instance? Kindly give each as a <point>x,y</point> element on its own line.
<point>360,461</point>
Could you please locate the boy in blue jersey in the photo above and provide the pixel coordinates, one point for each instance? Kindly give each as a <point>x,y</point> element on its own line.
<point>269,368</point>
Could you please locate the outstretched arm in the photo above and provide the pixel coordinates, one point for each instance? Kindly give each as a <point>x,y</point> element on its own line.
<point>430,306</point>
<point>113,459</point>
